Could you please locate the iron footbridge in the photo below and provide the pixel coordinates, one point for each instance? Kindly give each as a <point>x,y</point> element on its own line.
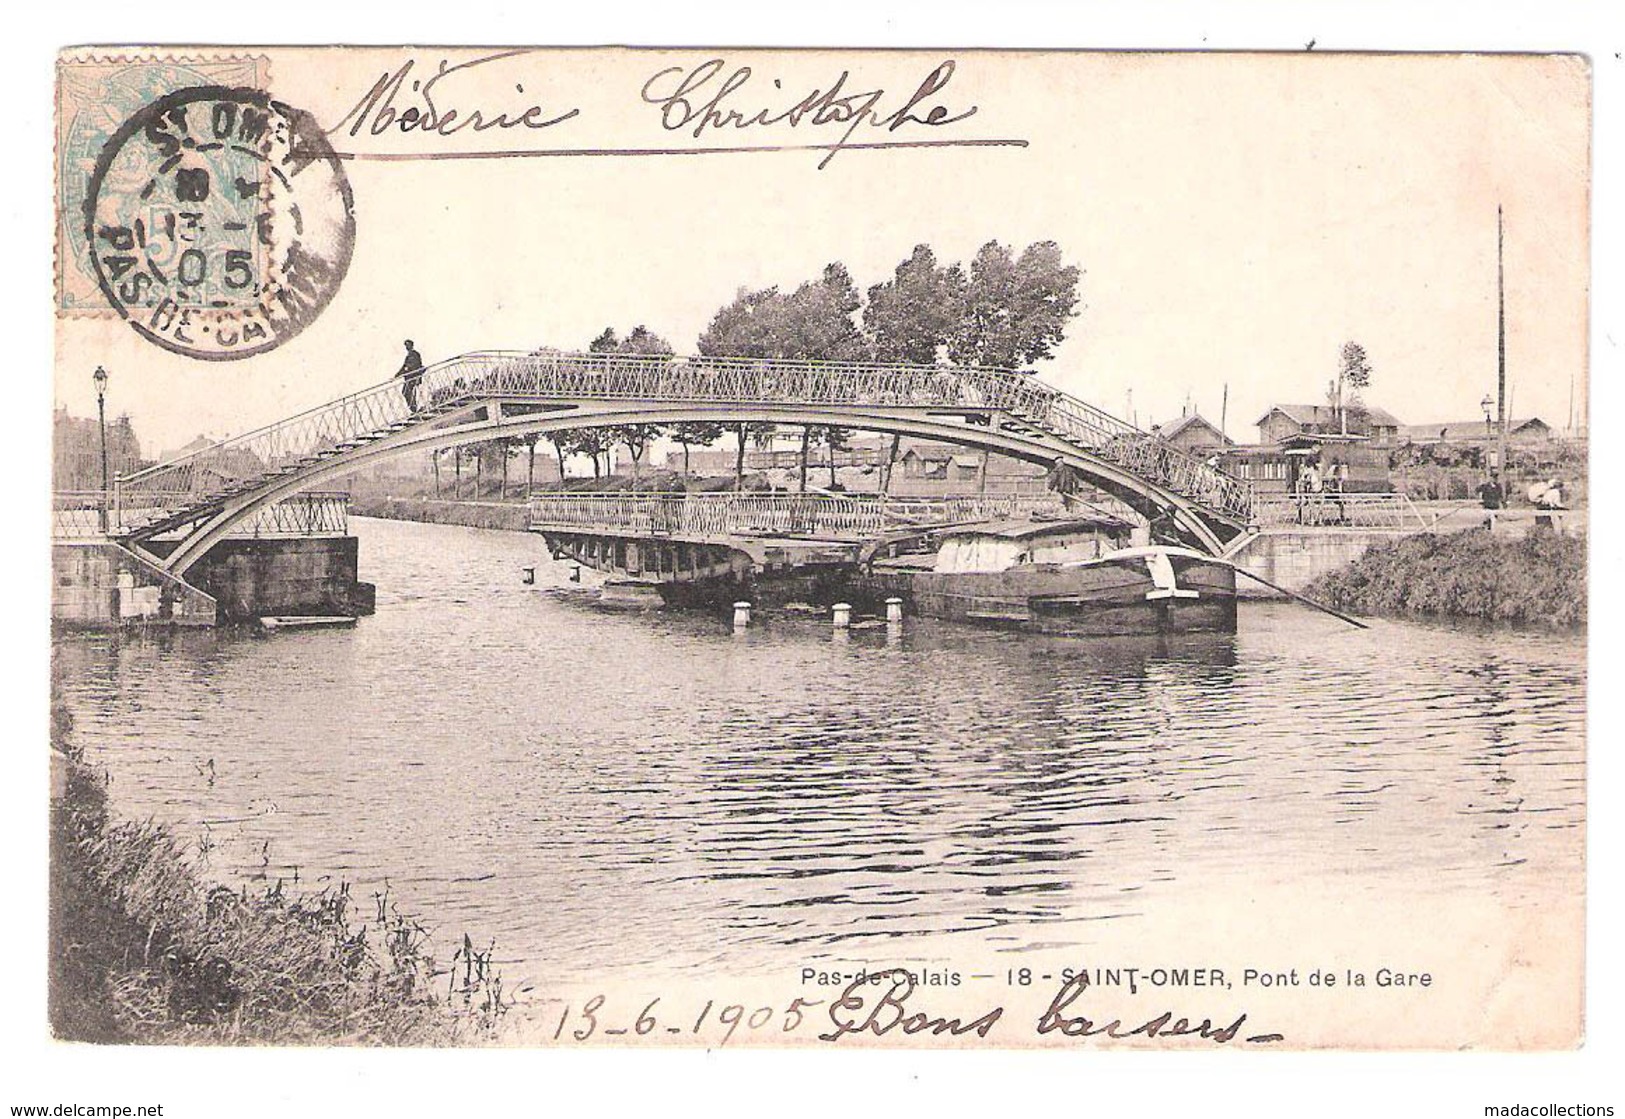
<point>476,397</point>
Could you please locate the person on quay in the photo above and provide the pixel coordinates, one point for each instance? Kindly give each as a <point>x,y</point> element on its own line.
<point>1491,496</point>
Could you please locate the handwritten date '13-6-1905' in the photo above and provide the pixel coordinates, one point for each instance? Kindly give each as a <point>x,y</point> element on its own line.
<point>877,1004</point>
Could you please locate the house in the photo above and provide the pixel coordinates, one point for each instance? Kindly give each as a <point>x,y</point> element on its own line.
<point>1266,467</point>
<point>1194,435</point>
<point>1285,420</point>
<point>928,469</point>
<point>1520,432</point>
<point>77,451</point>
<point>1358,462</point>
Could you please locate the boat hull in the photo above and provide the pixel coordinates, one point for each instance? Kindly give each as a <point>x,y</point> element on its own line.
<point>1117,595</point>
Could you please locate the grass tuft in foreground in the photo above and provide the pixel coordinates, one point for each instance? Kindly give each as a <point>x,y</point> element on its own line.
<point>142,951</point>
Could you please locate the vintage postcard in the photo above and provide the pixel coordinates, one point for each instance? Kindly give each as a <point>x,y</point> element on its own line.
<point>824,549</point>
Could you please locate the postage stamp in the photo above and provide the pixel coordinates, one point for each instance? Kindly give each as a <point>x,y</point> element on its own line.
<point>95,95</point>
<point>896,549</point>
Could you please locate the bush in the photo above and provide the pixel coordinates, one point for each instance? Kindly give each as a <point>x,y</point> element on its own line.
<point>1538,579</point>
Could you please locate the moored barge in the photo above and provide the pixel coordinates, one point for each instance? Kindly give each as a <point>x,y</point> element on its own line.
<point>1072,577</point>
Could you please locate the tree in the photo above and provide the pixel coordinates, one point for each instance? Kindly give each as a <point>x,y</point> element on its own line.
<point>696,434</point>
<point>912,316</point>
<point>1015,309</point>
<point>594,442</point>
<point>807,433</point>
<point>817,322</point>
<point>820,319</point>
<point>640,340</point>
<point>1353,375</point>
<point>561,448</point>
<point>504,449</point>
<point>529,442</point>
<point>759,433</point>
<point>750,326</point>
<point>635,437</point>
<point>836,439</point>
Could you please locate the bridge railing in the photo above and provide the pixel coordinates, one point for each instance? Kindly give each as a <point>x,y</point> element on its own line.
<point>1347,510</point>
<point>831,516</point>
<point>218,469</point>
<point>89,515</point>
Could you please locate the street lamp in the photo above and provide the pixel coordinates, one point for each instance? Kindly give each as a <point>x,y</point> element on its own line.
<point>100,377</point>
<point>1489,411</point>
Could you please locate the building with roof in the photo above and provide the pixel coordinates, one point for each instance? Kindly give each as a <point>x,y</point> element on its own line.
<point>1285,420</point>
<point>1521,432</point>
<point>1194,435</point>
<point>77,451</point>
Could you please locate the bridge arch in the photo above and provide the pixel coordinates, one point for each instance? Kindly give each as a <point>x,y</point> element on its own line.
<point>497,418</point>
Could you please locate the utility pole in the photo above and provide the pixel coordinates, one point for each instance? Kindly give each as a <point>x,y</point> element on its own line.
<point>1224,411</point>
<point>1501,353</point>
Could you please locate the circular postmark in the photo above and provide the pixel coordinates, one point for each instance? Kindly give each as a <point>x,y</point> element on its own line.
<point>219,222</point>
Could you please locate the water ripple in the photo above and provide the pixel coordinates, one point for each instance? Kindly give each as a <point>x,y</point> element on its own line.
<point>569,780</point>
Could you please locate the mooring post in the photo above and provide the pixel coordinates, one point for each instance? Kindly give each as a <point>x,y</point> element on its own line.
<point>575,573</point>
<point>842,615</point>
<point>741,615</point>
<point>894,609</point>
<point>528,574</point>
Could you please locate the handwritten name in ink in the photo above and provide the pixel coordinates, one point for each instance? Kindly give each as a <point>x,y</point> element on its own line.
<point>709,108</point>
<point>400,102</point>
<point>700,100</point>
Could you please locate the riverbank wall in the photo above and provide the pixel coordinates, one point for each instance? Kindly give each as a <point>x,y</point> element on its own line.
<point>250,578</point>
<point>1295,557</point>
<point>97,584</point>
<point>100,584</point>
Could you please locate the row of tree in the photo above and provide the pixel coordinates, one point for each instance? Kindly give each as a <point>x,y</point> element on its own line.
<point>1004,310</point>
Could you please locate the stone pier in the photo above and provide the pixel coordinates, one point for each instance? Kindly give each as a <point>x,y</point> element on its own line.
<point>1295,557</point>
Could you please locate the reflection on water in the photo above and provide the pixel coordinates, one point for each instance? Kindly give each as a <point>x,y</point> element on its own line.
<point>582,783</point>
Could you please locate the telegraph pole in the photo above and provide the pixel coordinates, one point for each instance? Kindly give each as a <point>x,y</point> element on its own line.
<point>1501,354</point>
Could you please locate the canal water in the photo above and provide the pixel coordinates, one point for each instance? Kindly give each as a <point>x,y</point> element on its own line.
<point>603,790</point>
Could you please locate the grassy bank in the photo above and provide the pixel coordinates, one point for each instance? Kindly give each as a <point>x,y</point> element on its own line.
<point>143,951</point>
<point>1538,579</point>
<point>513,517</point>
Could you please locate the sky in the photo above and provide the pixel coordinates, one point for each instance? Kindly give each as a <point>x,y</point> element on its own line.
<point>1237,218</point>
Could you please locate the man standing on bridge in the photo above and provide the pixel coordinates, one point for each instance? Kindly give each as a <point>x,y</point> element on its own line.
<point>411,374</point>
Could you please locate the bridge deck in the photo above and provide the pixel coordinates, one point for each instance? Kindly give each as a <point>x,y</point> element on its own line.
<point>469,398</point>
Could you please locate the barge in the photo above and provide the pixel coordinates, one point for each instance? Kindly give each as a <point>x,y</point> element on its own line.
<point>1070,577</point>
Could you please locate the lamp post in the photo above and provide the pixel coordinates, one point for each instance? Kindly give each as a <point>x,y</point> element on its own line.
<point>1489,411</point>
<point>100,377</point>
